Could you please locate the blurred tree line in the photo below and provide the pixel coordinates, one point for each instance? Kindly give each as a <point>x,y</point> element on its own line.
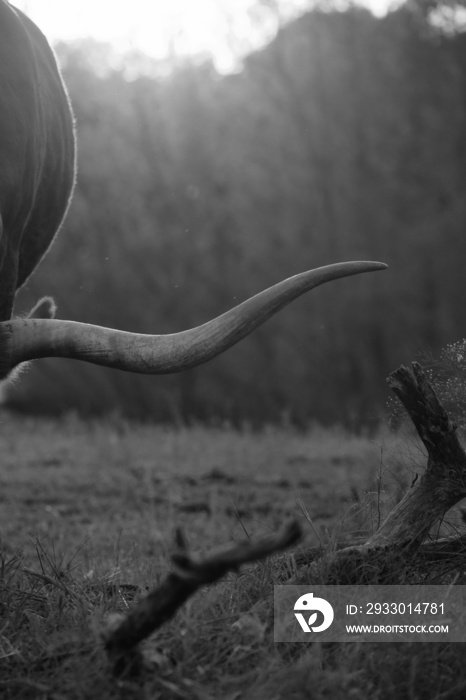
<point>344,138</point>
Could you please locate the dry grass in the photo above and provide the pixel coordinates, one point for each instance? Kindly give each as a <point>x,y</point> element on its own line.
<point>123,488</point>
<point>88,512</point>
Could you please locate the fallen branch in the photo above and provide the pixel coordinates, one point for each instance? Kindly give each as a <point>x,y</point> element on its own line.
<point>185,578</point>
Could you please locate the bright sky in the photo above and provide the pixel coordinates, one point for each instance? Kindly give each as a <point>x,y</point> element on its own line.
<point>163,27</point>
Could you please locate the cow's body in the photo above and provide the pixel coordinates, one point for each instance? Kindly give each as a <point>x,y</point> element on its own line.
<point>37,151</point>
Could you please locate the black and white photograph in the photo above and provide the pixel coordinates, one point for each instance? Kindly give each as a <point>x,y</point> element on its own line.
<point>232,349</point>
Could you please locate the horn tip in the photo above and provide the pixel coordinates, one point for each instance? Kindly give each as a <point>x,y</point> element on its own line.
<point>373,266</point>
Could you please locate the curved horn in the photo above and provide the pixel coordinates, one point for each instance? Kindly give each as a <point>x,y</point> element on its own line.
<point>32,338</point>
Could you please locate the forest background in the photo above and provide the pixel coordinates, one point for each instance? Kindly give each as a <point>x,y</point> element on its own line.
<point>344,138</point>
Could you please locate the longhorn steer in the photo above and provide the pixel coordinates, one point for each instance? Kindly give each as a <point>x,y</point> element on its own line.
<point>37,174</point>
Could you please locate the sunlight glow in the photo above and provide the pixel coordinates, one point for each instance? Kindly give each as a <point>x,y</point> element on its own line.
<point>223,29</point>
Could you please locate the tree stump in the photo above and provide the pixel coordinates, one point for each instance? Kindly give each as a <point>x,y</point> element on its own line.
<point>398,543</point>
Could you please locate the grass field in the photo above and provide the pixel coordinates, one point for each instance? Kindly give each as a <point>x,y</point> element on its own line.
<point>88,513</point>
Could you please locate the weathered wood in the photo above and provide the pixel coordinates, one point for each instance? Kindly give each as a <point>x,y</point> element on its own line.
<point>388,554</point>
<point>443,483</point>
<point>181,583</point>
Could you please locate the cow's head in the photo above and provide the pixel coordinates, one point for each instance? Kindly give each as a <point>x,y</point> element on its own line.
<point>37,173</point>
